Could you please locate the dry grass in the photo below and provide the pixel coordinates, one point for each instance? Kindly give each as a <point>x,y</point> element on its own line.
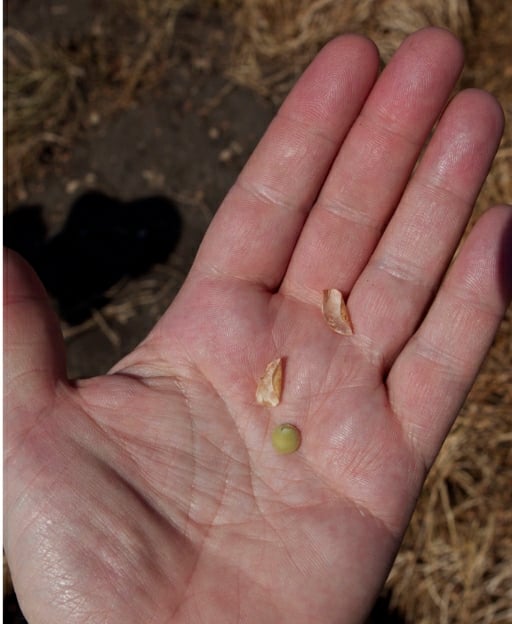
<point>275,40</point>
<point>42,102</point>
<point>55,89</point>
<point>454,565</point>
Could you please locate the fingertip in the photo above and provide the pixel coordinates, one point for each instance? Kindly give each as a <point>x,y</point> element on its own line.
<point>439,37</point>
<point>356,50</point>
<point>346,65</point>
<point>355,42</point>
<point>435,48</point>
<point>484,106</point>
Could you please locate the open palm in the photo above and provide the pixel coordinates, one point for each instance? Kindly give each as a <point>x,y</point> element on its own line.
<point>153,494</point>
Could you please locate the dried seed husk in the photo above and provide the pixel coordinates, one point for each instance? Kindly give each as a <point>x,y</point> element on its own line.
<point>336,313</point>
<point>270,384</point>
<point>286,438</point>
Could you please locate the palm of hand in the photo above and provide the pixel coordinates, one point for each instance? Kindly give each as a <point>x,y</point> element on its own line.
<point>154,494</point>
<point>182,468</point>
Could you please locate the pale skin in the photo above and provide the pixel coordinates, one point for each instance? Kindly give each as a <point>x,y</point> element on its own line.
<point>153,494</point>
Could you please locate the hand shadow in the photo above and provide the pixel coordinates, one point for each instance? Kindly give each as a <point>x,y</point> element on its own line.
<point>102,241</point>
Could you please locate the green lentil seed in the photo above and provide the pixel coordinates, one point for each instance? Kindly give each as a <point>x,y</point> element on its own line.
<point>286,438</point>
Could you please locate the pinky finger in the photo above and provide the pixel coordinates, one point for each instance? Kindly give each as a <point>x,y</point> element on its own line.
<point>430,379</point>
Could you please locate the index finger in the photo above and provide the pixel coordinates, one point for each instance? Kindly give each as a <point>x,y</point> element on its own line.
<point>254,232</point>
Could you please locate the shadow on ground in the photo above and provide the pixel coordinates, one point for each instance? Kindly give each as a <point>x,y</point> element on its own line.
<point>102,241</point>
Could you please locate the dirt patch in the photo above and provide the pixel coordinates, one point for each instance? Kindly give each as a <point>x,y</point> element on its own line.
<point>184,141</point>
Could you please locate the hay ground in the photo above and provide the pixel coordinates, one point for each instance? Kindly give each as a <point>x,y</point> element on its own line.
<point>454,565</point>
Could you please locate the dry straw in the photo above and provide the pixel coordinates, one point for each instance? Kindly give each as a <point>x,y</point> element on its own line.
<point>53,89</point>
<point>41,105</point>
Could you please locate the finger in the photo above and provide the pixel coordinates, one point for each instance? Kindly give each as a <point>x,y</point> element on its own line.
<point>34,359</point>
<point>374,164</point>
<point>391,295</point>
<point>432,376</point>
<point>255,230</point>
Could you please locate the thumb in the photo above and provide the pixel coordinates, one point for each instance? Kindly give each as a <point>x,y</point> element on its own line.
<point>34,356</point>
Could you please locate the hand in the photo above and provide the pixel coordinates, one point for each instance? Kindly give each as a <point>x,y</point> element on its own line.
<point>153,494</point>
